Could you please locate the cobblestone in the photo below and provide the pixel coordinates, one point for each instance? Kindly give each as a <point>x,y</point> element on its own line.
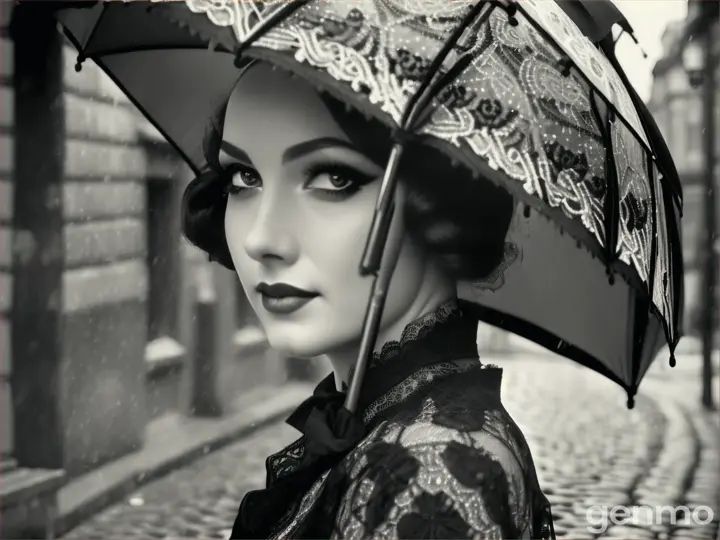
<point>588,448</point>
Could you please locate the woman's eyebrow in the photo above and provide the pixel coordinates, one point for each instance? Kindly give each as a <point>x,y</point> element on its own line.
<point>235,152</point>
<point>308,147</point>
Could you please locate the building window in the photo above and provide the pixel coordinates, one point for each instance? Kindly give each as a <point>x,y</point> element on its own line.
<point>164,355</point>
<point>163,240</point>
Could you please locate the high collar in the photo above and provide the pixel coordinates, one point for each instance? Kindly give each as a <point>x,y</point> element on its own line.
<point>444,335</point>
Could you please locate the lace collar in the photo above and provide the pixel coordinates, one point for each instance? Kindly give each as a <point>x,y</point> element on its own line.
<point>442,336</point>
<point>415,331</point>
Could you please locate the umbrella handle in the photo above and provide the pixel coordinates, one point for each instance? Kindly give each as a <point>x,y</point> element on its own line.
<point>388,228</point>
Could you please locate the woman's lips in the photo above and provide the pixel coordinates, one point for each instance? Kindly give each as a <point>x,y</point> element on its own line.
<point>284,305</point>
<point>283,299</point>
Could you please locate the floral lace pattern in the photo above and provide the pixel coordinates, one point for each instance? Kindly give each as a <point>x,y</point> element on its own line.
<point>444,482</point>
<point>515,106</point>
<point>443,467</point>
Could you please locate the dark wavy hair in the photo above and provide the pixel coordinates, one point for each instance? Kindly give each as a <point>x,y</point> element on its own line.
<point>460,220</point>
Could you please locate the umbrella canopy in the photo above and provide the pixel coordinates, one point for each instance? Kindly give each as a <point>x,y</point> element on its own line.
<point>511,90</point>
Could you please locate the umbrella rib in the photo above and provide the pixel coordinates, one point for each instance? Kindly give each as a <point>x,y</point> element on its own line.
<point>654,228</point>
<point>611,212</point>
<point>426,92</point>
<point>261,29</point>
<point>126,50</point>
<point>453,73</point>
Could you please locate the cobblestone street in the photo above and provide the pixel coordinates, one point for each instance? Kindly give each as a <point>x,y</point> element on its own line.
<point>589,449</point>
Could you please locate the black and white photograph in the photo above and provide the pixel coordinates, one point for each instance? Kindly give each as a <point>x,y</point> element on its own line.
<point>359,269</point>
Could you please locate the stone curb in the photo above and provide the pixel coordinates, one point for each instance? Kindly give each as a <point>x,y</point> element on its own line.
<point>170,447</point>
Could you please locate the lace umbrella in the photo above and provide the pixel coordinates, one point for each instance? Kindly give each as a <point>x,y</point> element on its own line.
<point>512,90</point>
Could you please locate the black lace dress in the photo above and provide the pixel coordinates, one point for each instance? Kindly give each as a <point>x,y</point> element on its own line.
<point>439,456</point>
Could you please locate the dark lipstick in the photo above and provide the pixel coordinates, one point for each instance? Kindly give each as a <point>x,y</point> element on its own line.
<point>283,299</point>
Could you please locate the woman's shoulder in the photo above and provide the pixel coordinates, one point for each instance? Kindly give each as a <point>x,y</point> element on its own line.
<point>448,464</point>
<point>464,404</point>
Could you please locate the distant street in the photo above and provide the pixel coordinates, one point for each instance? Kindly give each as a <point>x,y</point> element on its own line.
<point>590,452</point>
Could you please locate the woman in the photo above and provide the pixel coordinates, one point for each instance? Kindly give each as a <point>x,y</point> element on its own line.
<point>287,203</point>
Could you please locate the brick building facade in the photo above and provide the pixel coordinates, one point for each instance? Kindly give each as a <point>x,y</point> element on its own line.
<point>99,292</point>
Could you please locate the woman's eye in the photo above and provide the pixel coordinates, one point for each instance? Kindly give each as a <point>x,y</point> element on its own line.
<point>335,181</point>
<point>330,181</point>
<point>245,179</point>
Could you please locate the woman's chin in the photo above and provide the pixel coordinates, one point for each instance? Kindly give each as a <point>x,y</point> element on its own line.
<point>302,347</point>
<point>304,343</point>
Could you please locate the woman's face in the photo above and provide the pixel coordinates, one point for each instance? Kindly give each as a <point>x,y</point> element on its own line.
<point>299,210</point>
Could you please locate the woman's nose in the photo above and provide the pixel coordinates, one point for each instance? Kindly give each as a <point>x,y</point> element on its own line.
<point>271,234</point>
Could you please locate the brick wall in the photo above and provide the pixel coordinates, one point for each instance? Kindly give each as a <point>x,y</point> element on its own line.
<point>105,283</point>
<point>104,195</point>
<point>6,214</point>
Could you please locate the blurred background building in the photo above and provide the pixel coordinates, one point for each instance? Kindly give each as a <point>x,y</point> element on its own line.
<point>680,113</point>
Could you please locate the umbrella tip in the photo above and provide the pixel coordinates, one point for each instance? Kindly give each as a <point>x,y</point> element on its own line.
<point>610,275</point>
<point>79,63</point>
<point>631,401</point>
<point>637,42</point>
<point>672,359</point>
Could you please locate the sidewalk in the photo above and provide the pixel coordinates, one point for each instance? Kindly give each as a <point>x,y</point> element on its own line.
<point>173,442</point>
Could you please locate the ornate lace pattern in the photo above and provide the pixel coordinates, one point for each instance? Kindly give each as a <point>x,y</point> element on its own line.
<point>460,479</point>
<point>414,383</point>
<point>515,107</point>
<point>414,331</point>
<point>296,516</point>
<point>445,467</point>
<point>286,460</point>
